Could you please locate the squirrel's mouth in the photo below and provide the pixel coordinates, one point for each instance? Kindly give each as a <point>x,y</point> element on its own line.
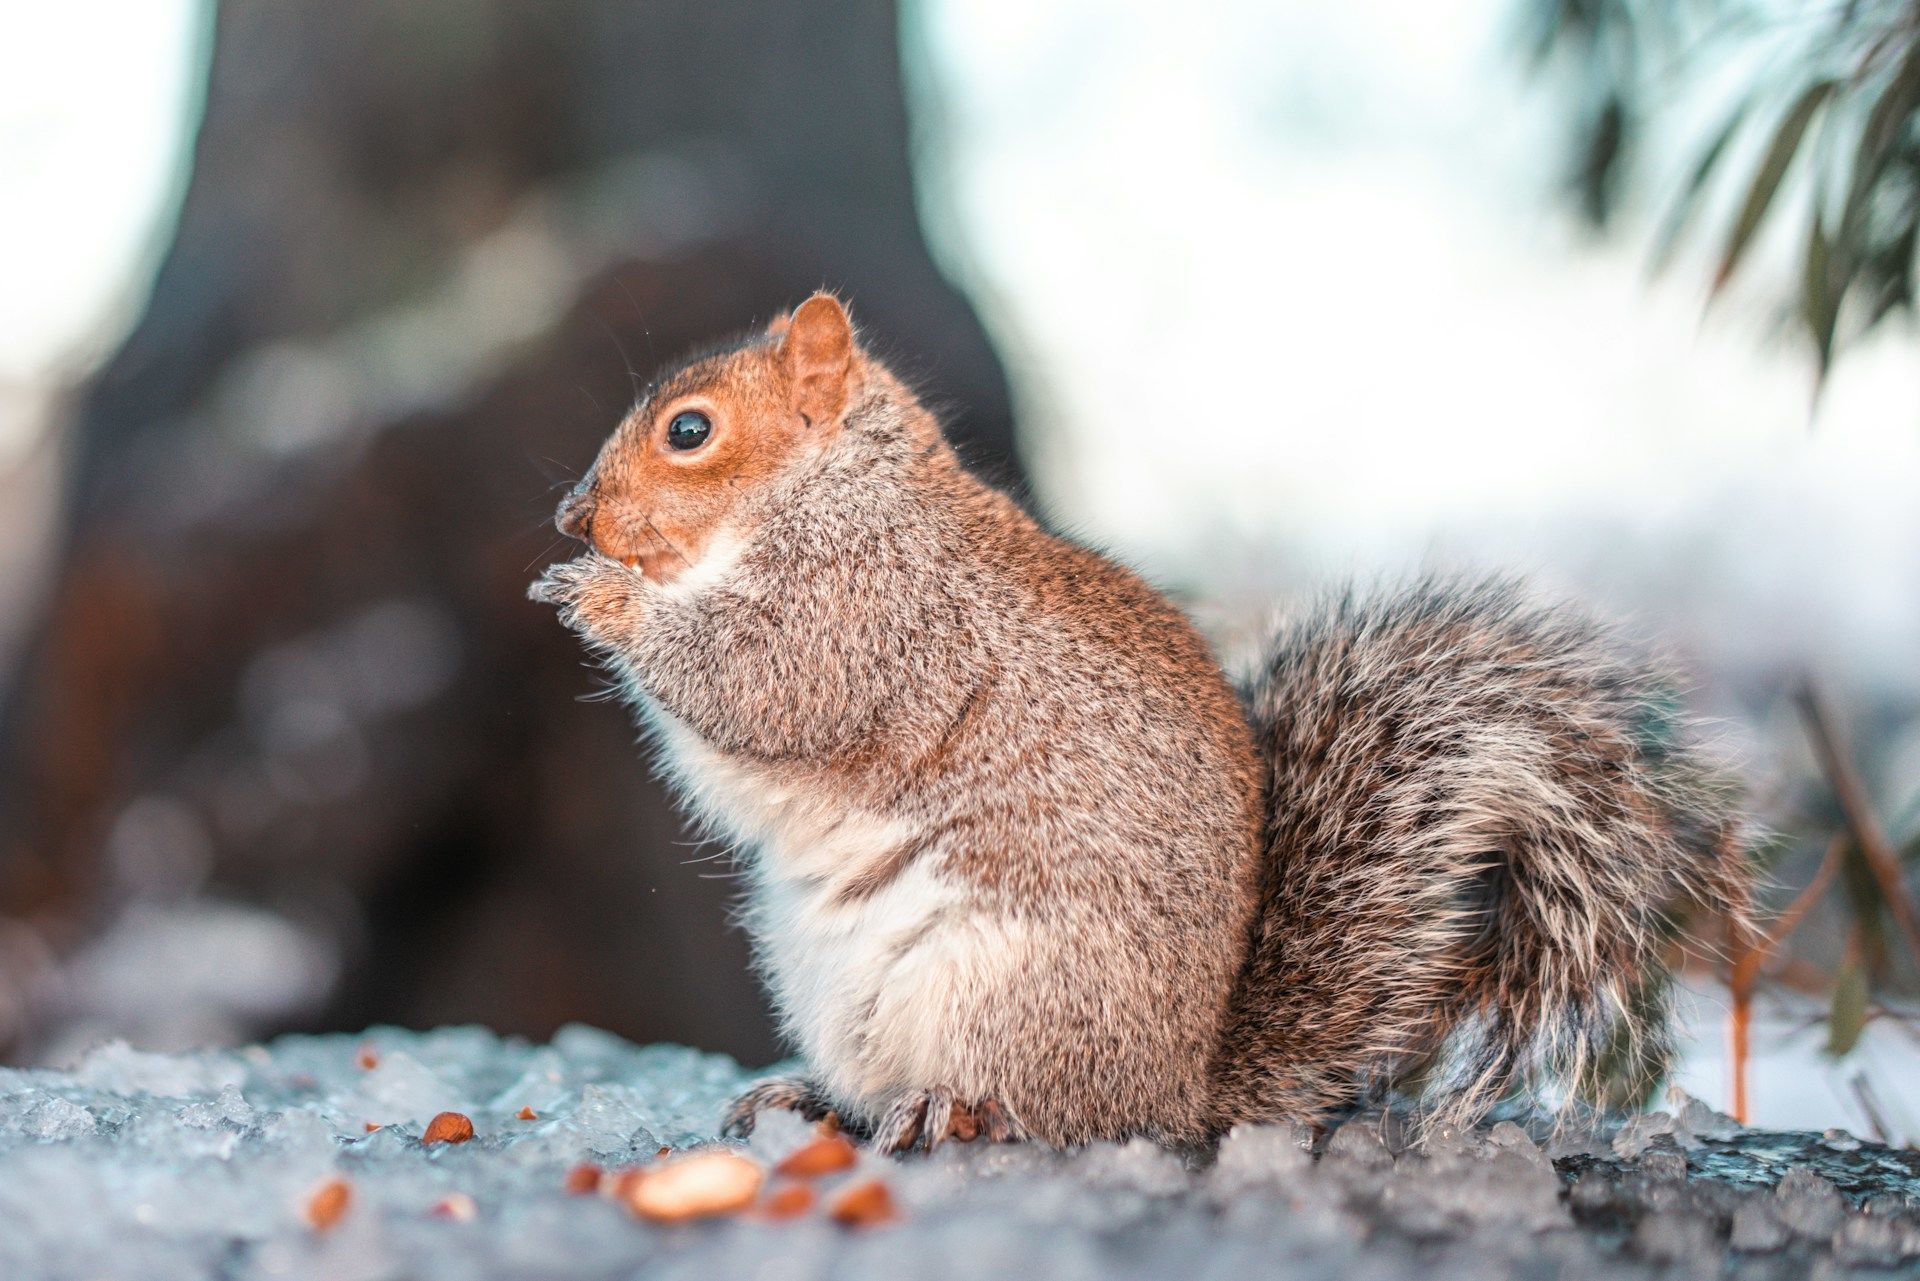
<point>657,563</point>
<point>643,547</point>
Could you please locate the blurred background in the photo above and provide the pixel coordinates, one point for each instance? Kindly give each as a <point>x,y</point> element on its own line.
<point>313,309</point>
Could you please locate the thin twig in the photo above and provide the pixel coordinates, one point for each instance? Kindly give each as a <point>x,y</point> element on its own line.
<point>1857,812</point>
<point>1745,971</point>
<point>1747,968</point>
<point>1870,1107</point>
<point>1740,1049</point>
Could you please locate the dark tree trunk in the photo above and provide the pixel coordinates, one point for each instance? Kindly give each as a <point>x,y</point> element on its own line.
<point>420,245</point>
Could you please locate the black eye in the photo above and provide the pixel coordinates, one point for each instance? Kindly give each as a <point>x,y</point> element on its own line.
<point>689,430</point>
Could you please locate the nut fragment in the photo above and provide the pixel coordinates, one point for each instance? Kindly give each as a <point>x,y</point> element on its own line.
<point>447,1127</point>
<point>372,1126</point>
<point>864,1205</point>
<point>692,1187</point>
<point>583,1178</point>
<point>457,1206</point>
<point>788,1202</point>
<point>619,1183</point>
<point>827,1155</point>
<point>527,1114</point>
<point>328,1204</point>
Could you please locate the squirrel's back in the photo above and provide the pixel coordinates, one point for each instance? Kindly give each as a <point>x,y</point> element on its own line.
<point>1483,814</point>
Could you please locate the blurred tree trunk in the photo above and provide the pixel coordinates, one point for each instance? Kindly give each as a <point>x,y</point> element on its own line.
<point>287,659</point>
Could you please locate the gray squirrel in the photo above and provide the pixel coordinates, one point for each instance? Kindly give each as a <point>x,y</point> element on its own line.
<point>1021,863</point>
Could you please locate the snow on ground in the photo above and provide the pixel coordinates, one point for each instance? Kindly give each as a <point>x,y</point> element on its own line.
<point>219,1163</point>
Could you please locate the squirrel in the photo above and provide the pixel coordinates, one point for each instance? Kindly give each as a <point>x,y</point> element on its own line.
<point>1021,862</point>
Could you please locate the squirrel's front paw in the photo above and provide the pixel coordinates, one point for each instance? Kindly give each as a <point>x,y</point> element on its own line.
<point>568,582</point>
<point>592,591</point>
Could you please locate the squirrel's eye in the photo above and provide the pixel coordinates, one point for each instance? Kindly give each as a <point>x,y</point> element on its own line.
<point>689,430</point>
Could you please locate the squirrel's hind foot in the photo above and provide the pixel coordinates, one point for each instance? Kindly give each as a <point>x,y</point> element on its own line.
<point>997,1123</point>
<point>924,1119</point>
<point>785,1093</point>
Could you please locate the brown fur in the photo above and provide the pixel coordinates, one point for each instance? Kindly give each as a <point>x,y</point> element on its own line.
<point>1003,816</point>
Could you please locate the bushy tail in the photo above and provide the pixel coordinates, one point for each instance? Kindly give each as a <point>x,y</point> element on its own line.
<point>1485,818</point>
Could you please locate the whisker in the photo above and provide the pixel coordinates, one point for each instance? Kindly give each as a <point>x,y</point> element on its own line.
<point>626,361</point>
<point>663,538</point>
<point>549,467</point>
<point>552,545</point>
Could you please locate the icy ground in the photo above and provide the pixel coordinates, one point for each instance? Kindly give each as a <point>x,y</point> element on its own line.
<point>213,1164</point>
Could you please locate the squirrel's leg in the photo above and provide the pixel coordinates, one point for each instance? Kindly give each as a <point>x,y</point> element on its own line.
<point>787,1093</point>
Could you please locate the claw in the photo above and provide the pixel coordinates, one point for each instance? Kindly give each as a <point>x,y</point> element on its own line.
<point>900,1127</point>
<point>938,1121</point>
<point>998,1123</point>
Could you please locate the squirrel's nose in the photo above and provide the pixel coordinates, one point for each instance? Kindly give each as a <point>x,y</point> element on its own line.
<point>575,517</point>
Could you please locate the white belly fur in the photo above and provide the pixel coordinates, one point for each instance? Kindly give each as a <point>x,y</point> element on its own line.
<point>876,991</point>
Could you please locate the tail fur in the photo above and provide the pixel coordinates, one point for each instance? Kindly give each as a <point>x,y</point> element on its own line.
<point>1484,817</point>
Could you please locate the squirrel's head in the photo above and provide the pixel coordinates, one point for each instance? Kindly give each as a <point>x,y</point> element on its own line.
<point>708,439</point>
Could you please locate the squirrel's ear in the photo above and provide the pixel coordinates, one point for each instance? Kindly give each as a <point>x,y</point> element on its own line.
<point>817,350</point>
<point>778,325</point>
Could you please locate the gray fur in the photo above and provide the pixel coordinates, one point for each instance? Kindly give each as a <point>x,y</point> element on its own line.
<point>1483,812</point>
